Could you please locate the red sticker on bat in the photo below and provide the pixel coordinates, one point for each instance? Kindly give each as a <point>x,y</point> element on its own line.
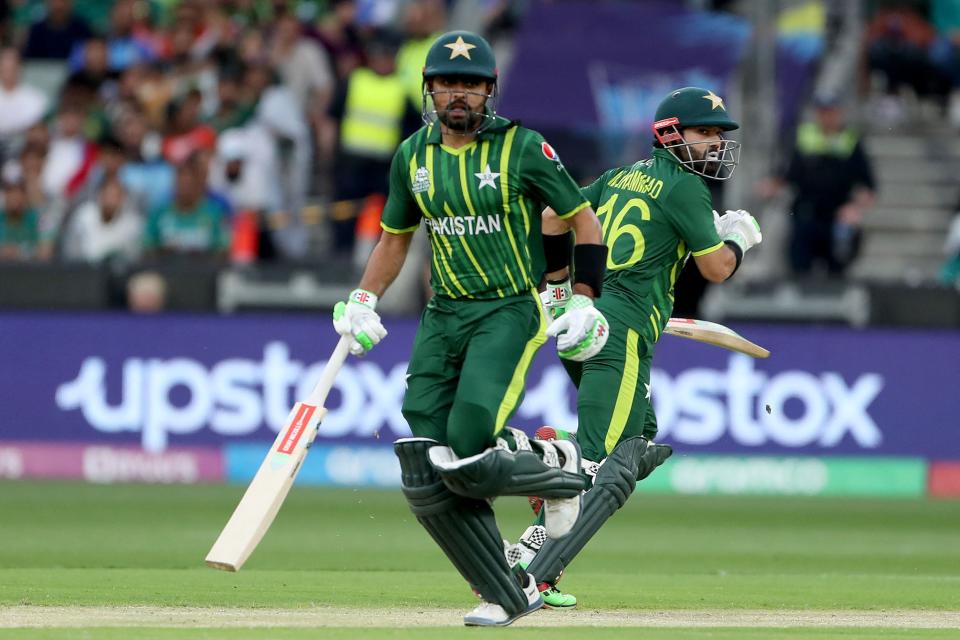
<point>296,429</point>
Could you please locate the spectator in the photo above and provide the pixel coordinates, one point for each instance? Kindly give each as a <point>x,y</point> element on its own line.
<point>245,170</point>
<point>54,37</point>
<point>303,67</point>
<point>145,174</point>
<point>107,165</point>
<point>125,47</point>
<point>185,133</point>
<point>90,71</point>
<point>950,273</point>
<point>71,155</point>
<point>369,117</point>
<point>279,118</point>
<point>833,189</point>
<point>233,107</point>
<point>338,34</point>
<point>946,50</point>
<point>898,40</point>
<point>21,106</point>
<point>423,21</point>
<point>19,225</point>
<point>32,159</point>
<point>105,229</point>
<point>191,224</point>
<point>146,292</point>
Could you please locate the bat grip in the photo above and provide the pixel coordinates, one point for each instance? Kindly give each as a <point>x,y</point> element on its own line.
<point>319,394</point>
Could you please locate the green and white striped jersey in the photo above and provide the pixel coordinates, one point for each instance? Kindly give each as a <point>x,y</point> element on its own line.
<point>481,205</point>
<point>654,214</point>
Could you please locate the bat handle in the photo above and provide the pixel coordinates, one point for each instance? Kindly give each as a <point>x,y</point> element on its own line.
<point>319,394</point>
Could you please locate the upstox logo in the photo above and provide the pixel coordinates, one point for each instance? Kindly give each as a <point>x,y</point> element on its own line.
<point>236,397</point>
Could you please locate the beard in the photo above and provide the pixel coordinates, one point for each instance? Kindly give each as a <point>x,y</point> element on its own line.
<point>459,116</point>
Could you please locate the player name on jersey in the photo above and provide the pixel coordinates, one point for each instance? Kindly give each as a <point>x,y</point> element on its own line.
<point>465,225</point>
<point>637,181</point>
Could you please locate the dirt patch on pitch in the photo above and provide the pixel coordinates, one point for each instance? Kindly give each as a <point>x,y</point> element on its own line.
<point>196,617</point>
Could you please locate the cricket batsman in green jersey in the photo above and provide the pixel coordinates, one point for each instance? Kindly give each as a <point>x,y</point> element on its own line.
<point>655,214</point>
<point>478,183</point>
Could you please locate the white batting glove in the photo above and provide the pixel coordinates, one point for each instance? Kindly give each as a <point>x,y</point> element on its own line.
<point>356,318</point>
<point>554,299</point>
<point>581,331</point>
<point>740,228</point>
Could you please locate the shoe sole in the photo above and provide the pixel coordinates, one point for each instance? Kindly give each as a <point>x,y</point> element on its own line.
<point>560,607</point>
<point>535,607</point>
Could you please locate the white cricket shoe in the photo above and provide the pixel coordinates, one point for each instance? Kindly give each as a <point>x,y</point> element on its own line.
<point>560,514</point>
<point>488,614</point>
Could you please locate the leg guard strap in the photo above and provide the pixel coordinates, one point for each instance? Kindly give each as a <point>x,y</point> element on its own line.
<point>465,529</point>
<point>534,468</point>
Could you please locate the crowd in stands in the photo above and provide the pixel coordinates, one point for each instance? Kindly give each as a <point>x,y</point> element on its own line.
<point>913,47</point>
<point>136,129</point>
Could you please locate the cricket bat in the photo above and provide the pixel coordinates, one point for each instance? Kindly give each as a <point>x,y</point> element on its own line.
<point>269,488</point>
<point>715,334</point>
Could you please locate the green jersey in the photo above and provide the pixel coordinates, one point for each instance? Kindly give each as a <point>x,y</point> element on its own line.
<point>201,229</point>
<point>481,205</point>
<point>654,214</point>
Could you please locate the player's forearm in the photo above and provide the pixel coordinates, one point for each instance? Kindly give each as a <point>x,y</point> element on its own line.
<point>718,265</point>
<point>385,262</point>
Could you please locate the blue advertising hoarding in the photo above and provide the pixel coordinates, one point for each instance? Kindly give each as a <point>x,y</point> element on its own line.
<point>192,381</point>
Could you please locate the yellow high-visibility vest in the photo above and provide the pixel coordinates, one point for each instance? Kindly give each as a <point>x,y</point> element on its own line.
<point>373,115</point>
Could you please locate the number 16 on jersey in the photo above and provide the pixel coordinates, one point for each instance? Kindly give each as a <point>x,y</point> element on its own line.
<point>270,486</point>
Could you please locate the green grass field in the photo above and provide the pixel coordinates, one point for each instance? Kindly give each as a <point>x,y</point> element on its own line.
<point>93,561</point>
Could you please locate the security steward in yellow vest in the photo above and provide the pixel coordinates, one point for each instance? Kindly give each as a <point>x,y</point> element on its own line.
<point>374,116</point>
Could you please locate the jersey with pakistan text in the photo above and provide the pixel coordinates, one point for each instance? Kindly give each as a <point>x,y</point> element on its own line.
<point>481,206</point>
<point>654,214</point>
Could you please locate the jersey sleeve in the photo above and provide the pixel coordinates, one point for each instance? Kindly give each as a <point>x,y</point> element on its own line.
<point>594,190</point>
<point>401,214</point>
<point>691,213</point>
<point>545,178</point>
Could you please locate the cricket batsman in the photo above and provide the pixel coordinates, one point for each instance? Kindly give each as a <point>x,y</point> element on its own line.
<point>655,214</point>
<point>479,182</point>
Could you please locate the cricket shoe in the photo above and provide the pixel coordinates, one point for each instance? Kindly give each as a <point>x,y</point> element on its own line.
<point>488,614</point>
<point>553,598</point>
<point>560,514</point>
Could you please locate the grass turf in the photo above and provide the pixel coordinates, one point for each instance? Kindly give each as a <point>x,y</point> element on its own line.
<point>73,544</point>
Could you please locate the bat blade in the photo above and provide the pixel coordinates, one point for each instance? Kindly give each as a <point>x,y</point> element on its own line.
<point>715,334</point>
<point>270,486</point>
<point>267,491</point>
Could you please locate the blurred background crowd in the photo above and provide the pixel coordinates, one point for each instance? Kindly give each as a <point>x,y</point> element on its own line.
<point>244,145</point>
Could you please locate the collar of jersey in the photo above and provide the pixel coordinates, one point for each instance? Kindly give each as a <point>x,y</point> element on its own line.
<point>666,155</point>
<point>499,125</point>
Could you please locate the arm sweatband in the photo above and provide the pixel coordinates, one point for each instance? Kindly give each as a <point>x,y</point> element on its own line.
<point>556,250</point>
<point>737,253</point>
<point>590,265</point>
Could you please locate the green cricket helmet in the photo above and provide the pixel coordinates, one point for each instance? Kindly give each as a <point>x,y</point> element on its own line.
<point>695,107</point>
<point>460,54</point>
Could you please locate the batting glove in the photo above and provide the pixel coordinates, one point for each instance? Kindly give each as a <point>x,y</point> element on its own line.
<point>581,331</point>
<point>740,228</point>
<point>356,318</point>
<point>554,299</point>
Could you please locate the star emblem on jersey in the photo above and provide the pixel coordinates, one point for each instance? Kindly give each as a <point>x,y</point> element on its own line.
<point>487,178</point>
<point>715,100</point>
<point>460,48</point>
<point>648,390</point>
